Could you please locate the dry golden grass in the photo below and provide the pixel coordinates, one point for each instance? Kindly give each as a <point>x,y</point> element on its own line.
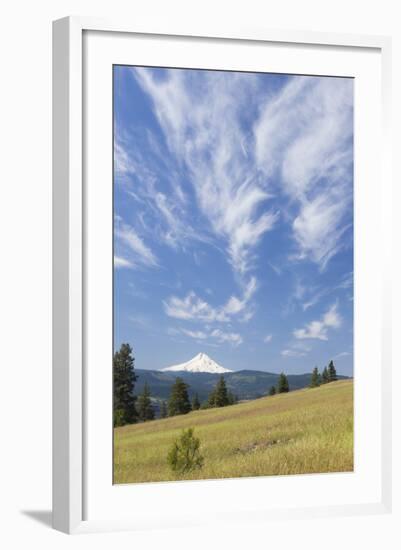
<point>304,431</point>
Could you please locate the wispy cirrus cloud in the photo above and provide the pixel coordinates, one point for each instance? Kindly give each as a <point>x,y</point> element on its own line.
<point>304,136</point>
<point>292,353</point>
<point>296,349</point>
<point>140,253</point>
<point>314,298</point>
<point>268,338</point>
<point>120,262</point>
<point>217,157</point>
<point>141,172</point>
<point>347,281</point>
<point>237,305</point>
<point>194,308</point>
<point>308,296</point>
<point>231,337</point>
<point>301,137</point>
<point>318,228</point>
<point>216,335</point>
<point>342,354</point>
<point>318,329</point>
<point>196,334</point>
<point>122,160</point>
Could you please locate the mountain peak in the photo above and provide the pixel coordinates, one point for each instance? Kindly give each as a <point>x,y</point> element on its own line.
<point>200,363</point>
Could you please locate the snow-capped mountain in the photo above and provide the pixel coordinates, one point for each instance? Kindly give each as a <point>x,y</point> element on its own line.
<point>199,363</point>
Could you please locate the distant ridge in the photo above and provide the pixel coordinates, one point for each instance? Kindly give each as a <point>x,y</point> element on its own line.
<point>246,384</point>
<point>199,363</point>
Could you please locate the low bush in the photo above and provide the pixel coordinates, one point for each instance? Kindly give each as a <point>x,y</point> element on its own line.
<point>184,455</point>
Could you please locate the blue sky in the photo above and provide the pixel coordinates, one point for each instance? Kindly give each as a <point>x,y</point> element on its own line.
<point>233,218</point>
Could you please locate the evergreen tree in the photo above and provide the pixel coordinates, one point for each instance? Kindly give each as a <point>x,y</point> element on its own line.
<point>124,379</point>
<point>163,410</point>
<point>315,378</point>
<point>221,399</point>
<point>211,400</point>
<point>272,390</point>
<point>184,455</point>
<point>145,409</point>
<point>282,384</point>
<point>178,402</point>
<point>195,403</point>
<point>219,396</point>
<point>325,376</point>
<point>232,399</point>
<point>332,372</point>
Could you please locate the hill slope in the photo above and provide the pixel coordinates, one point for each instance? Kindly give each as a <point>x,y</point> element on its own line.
<point>246,384</point>
<point>304,431</point>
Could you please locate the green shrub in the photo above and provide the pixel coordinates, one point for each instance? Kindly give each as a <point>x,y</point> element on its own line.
<point>184,455</point>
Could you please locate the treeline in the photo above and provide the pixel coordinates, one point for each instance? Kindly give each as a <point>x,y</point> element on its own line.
<point>281,387</point>
<point>129,408</point>
<point>179,403</point>
<point>220,396</point>
<point>328,374</point>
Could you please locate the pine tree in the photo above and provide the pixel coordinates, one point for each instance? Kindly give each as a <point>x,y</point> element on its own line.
<point>325,376</point>
<point>195,403</point>
<point>211,400</point>
<point>315,378</point>
<point>282,384</point>
<point>232,399</point>
<point>163,410</point>
<point>332,372</point>
<point>178,402</point>
<point>219,396</point>
<point>184,455</point>
<point>145,409</point>
<point>124,379</point>
<point>272,390</point>
<point>221,393</point>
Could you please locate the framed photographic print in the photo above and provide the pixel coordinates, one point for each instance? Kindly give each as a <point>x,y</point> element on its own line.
<point>220,299</point>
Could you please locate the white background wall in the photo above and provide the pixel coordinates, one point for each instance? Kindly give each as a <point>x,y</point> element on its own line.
<point>25,218</point>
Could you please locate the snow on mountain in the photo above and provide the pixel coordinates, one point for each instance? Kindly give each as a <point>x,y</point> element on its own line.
<point>199,363</point>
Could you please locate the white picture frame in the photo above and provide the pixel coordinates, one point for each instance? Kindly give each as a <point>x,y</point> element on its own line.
<point>70,251</point>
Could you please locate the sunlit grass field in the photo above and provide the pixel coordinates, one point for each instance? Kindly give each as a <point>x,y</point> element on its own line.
<point>300,432</point>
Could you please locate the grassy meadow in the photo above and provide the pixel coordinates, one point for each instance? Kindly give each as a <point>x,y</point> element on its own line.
<point>304,431</point>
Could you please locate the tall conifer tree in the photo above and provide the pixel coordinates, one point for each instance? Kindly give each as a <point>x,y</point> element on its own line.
<point>221,397</point>
<point>282,384</point>
<point>332,372</point>
<point>124,379</point>
<point>325,376</point>
<point>195,403</point>
<point>178,402</point>
<point>315,378</point>
<point>232,398</point>
<point>144,405</point>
